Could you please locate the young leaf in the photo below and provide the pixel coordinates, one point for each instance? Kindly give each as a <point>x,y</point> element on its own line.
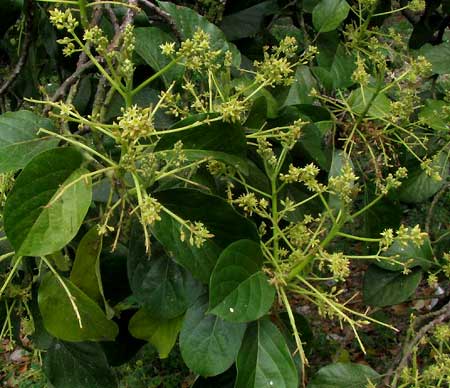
<point>63,322</point>
<point>208,344</point>
<point>239,290</point>
<point>48,203</point>
<point>386,288</point>
<point>77,365</point>
<point>264,360</point>
<point>329,14</point>
<point>164,288</point>
<point>85,272</point>
<point>19,141</point>
<point>343,375</point>
<point>219,217</point>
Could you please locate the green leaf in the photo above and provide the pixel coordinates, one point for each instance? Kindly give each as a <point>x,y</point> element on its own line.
<point>239,290</point>
<point>60,318</point>
<point>219,217</point>
<point>48,203</point>
<point>386,288</point>
<point>148,40</point>
<point>19,141</point>
<point>77,365</point>
<point>188,21</point>
<point>249,21</point>
<point>380,106</point>
<point>434,116</point>
<point>85,272</point>
<point>344,375</point>
<point>420,186</point>
<point>208,344</point>
<point>329,14</point>
<point>161,333</point>
<point>264,360</point>
<point>438,56</point>
<point>164,288</point>
<point>410,253</point>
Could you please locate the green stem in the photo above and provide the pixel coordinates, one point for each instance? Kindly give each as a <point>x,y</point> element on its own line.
<point>330,236</point>
<point>138,88</point>
<point>83,13</point>
<point>366,239</point>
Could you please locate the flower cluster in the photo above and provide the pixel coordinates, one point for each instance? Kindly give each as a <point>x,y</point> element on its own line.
<point>198,233</point>
<point>415,235</point>
<point>343,185</point>
<point>63,19</point>
<point>196,52</point>
<point>392,181</point>
<point>306,175</point>
<point>135,123</point>
<point>250,203</point>
<point>150,210</point>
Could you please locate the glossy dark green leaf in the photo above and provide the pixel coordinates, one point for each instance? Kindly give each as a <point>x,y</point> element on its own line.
<point>386,288</point>
<point>19,141</point>
<point>188,21</point>
<point>438,56</point>
<point>344,375</point>
<point>78,365</point>
<point>48,203</point>
<point>239,290</point>
<point>161,333</point>
<point>249,21</point>
<point>329,14</point>
<point>420,186</point>
<point>60,318</point>
<point>219,217</point>
<point>163,287</point>
<point>148,42</point>
<point>408,253</point>
<point>264,360</point>
<point>208,344</point>
<point>85,272</point>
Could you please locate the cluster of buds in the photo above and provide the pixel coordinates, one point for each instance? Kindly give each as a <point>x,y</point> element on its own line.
<point>343,185</point>
<point>150,210</point>
<point>196,52</point>
<point>392,181</point>
<point>306,175</point>
<point>135,123</point>
<point>250,203</point>
<point>198,233</point>
<point>63,20</point>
